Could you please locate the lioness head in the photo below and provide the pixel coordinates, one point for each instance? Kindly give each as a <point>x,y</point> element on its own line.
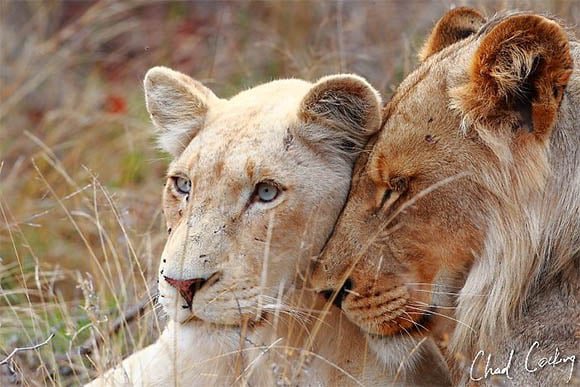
<point>463,149</point>
<point>255,186</point>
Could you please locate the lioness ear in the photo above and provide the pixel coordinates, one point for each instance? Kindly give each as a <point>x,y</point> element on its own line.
<point>518,75</point>
<point>454,26</point>
<point>177,105</point>
<point>341,112</point>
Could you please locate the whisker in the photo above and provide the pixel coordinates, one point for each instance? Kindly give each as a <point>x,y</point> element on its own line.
<point>450,293</point>
<point>434,305</point>
<point>404,330</point>
<point>442,315</point>
<point>431,284</point>
<point>415,323</point>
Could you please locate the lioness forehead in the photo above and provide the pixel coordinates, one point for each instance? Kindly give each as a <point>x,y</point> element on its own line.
<point>418,116</point>
<point>424,114</point>
<point>245,132</point>
<point>258,107</point>
<point>251,113</point>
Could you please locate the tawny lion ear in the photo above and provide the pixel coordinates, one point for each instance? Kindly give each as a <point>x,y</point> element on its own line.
<point>342,111</point>
<point>177,105</point>
<point>454,26</point>
<point>518,75</point>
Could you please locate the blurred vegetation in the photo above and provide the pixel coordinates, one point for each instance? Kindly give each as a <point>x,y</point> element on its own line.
<point>80,182</point>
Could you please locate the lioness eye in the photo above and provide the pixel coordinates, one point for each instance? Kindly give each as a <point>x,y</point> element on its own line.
<point>266,192</point>
<point>182,185</point>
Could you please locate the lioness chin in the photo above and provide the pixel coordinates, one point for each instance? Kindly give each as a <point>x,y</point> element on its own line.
<point>471,190</point>
<point>253,192</point>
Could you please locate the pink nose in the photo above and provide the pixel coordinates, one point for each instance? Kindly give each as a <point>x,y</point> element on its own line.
<point>187,288</point>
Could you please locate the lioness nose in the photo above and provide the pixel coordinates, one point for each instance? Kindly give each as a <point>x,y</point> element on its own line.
<point>187,288</point>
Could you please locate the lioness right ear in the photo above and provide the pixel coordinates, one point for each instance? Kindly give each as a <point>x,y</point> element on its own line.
<point>341,112</point>
<point>454,26</point>
<point>177,105</point>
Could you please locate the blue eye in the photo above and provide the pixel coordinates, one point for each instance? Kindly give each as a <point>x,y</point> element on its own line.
<point>182,184</point>
<point>266,192</point>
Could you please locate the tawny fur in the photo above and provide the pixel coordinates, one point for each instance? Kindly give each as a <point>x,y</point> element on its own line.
<point>485,135</point>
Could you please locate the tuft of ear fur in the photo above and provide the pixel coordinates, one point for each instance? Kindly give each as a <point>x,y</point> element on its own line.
<point>177,105</point>
<point>341,112</point>
<point>454,26</point>
<point>518,75</point>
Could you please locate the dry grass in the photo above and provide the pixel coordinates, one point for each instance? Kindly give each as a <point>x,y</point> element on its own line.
<point>80,182</point>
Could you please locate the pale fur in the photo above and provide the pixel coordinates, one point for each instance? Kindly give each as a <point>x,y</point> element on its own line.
<point>257,325</point>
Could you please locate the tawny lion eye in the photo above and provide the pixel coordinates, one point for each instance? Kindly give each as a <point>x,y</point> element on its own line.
<point>266,192</point>
<point>182,184</point>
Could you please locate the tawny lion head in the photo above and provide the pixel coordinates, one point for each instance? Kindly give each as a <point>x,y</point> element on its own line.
<point>464,144</point>
<point>255,186</point>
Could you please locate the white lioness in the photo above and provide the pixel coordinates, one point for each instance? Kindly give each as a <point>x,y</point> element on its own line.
<point>253,192</point>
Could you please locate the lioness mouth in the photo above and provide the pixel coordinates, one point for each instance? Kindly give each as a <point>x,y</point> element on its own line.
<point>188,288</point>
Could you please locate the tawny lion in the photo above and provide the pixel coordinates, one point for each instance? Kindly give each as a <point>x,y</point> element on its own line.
<point>472,190</point>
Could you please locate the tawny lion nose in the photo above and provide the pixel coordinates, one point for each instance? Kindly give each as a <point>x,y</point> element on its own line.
<point>187,288</point>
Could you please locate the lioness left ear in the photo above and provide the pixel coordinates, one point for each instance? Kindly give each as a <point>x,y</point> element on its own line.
<point>518,75</point>
<point>454,26</point>
<point>341,112</point>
